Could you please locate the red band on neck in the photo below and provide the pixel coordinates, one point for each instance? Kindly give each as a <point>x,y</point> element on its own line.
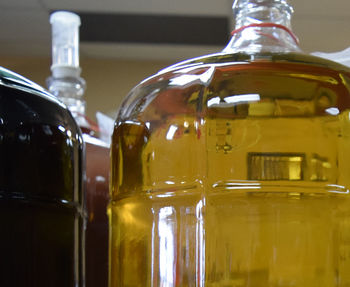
<point>269,25</point>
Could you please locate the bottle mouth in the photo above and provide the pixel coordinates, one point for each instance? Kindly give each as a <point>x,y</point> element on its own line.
<point>238,5</point>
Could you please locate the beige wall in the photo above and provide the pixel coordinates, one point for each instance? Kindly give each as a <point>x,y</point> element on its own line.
<point>108,81</point>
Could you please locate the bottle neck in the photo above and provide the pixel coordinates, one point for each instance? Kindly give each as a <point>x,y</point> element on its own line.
<point>262,26</point>
<point>70,90</point>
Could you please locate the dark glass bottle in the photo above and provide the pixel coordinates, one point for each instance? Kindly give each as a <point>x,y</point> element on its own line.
<point>41,199</point>
<point>67,85</point>
<point>233,169</point>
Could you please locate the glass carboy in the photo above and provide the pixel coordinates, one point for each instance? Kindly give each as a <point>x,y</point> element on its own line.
<point>41,198</point>
<point>233,169</point>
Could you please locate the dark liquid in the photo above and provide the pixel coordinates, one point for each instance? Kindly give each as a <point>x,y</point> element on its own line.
<point>41,215</point>
<point>97,196</point>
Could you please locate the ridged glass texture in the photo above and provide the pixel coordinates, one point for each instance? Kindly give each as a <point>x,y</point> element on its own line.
<point>233,170</point>
<point>41,198</point>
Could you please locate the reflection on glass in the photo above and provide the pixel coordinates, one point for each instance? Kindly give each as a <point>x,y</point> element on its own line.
<point>238,167</point>
<point>275,166</point>
<point>320,168</point>
<point>171,132</point>
<point>166,233</point>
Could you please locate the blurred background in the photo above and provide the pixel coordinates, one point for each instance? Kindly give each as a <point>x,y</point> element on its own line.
<point>124,41</point>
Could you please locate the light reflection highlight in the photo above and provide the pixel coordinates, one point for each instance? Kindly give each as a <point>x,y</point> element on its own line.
<point>332,111</point>
<point>187,79</point>
<point>171,132</point>
<point>200,242</point>
<point>242,98</point>
<point>62,129</point>
<point>166,231</point>
<point>100,178</point>
<point>334,188</point>
<point>133,123</point>
<point>233,100</point>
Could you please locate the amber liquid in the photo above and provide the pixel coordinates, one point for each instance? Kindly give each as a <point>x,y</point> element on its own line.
<point>241,181</point>
<point>97,197</point>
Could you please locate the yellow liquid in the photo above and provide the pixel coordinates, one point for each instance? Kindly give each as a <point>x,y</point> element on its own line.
<point>231,239</point>
<point>241,181</point>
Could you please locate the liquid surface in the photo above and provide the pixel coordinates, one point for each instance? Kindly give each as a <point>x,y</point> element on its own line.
<point>233,174</point>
